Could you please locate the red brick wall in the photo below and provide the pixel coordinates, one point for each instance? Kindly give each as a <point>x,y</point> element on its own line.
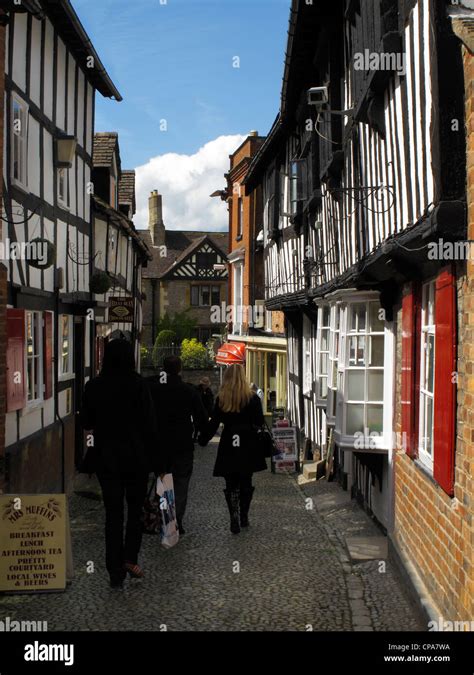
<point>435,531</point>
<point>3,277</point>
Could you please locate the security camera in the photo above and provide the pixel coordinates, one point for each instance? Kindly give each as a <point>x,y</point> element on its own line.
<point>318,96</point>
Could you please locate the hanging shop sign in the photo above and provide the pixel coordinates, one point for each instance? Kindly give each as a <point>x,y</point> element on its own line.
<point>121,310</point>
<point>34,543</point>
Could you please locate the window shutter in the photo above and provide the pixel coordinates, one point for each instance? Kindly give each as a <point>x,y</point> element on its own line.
<point>16,374</point>
<point>48,354</point>
<point>445,388</point>
<point>408,373</point>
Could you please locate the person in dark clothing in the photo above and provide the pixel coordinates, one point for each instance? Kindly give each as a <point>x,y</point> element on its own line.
<point>238,455</point>
<point>207,397</point>
<point>178,410</point>
<point>205,391</point>
<point>118,408</point>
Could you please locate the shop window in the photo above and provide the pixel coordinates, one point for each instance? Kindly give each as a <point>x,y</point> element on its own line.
<point>34,356</point>
<point>307,360</point>
<point>364,369</point>
<point>323,352</point>
<point>65,328</point>
<point>333,383</point>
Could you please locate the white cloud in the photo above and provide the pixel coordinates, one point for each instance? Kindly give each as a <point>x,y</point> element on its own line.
<point>186,181</point>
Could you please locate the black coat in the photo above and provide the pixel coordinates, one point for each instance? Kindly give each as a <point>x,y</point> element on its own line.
<point>238,450</point>
<point>178,409</point>
<point>120,412</point>
<point>207,398</point>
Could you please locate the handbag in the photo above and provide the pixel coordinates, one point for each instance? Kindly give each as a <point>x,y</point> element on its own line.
<point>266,442</point>
<point>169,534</point>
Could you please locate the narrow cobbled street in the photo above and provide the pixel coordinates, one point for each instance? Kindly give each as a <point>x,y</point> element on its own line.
<point>289,572</point>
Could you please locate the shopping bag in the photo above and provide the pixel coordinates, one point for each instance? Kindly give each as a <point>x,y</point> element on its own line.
<point>169,533</point>
<point>151,515</point>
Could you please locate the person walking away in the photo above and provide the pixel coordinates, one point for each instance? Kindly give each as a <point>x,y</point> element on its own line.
<point>178,409</point>
<point>238,455</point>
<point>207,397</point>
<point>118,409</point>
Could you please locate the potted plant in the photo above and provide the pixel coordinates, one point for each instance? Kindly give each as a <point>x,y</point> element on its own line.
<point>100,283</point>
<point>45,253</point>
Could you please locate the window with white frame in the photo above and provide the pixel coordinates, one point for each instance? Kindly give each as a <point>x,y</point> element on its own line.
<point>238,297</point>
<point>240,216</point>
<point>427,370</point>
<point>65,336</point>
<point>63,192</point>
<point>307,360</point>
<point>364,387</point>
<point>34,356</point>
<point>333,383</point>
<point>19,140</point>
<point>322,361</point>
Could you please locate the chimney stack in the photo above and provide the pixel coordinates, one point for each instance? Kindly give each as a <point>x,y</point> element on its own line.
<point>156,225</point>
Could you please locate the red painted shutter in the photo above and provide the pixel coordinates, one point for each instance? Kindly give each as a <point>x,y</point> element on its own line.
<point>48,354</point>
<point>408,373</point>
<point>445,388</point>
<point>16,375</point>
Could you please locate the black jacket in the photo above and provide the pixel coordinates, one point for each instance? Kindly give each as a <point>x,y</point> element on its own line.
<point>207,398</point>
<point>178,409</point>
<point>238,450</point>
<point>120,412</point>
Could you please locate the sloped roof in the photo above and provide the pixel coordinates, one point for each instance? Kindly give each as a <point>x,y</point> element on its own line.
<point>179,244</point>
<point>64,17</point>
<point>105,145</point>
<point>119,219</point>
<point>127,188</point>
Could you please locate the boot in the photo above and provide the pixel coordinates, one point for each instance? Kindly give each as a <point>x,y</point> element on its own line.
<point>245,499</point>
<point>232,499</point>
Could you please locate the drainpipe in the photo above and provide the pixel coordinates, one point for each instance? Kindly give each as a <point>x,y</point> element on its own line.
<point>57,286</point>
<point>153,313</point>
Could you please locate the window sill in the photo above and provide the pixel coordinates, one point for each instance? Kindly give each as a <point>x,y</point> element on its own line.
<point>66,377</point>
<point>31,407</point>
<point>20,186</point>
<point>426,470</point>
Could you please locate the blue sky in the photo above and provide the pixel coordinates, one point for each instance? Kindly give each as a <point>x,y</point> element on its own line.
<point>173,61</point>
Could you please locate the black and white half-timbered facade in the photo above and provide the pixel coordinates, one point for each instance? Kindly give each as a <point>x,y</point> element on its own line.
<point>119,252</point>
<point>52,75</point>
<point>363,168</point>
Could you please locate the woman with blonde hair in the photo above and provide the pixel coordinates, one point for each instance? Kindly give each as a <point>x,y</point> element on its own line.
<point>239,454</point>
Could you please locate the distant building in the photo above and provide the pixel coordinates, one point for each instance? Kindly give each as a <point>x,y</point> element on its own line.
<point>181,275</point>
<point>259,334</point>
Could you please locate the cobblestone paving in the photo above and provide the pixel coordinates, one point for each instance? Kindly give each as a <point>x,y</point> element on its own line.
<point>288,572</point>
